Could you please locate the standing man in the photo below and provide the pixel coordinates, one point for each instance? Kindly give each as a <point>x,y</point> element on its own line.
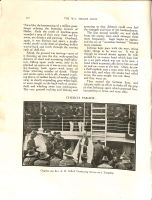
<point>31,143</point>
<point>45,112</point>
<point>80,119</point>
<point>58,143</point>
<point>71,114</point>
<point>97,153</point>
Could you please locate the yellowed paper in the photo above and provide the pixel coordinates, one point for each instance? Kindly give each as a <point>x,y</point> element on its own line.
<point>30,182</point>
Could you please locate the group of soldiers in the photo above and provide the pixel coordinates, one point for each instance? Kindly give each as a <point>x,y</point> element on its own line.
<point>49,149</point>
<point>107,158</point>
<point>72,115</point>
<point>53,154</point>
<point>41,141</point>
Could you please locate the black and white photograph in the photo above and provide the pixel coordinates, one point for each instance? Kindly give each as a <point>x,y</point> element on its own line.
<point>78,134</point>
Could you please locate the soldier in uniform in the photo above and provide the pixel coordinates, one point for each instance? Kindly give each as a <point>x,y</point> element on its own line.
<point>124,163</point>
<point>98,153</point>
<point>30,158</point>
<point>58,143</point>
<point>43,159</point>
<point>68,161</point>
<point>45,112</point>
<point>104,164</point>
<point>80,119</point>
<point>31,143</point>
<point>49,144</point>
<point>71,114</point>
<point>55,161</point>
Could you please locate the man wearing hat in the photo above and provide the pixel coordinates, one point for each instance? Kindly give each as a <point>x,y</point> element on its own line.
<point>104,164</point>
<point>114,161</point>
<point>80,119</point>
<point>107,152</point>
<point>49,144</point>
<point>84,162</point>
<point>124,163</point>
<point>31,143</point>
<point>26,139</point>
<point>61,140</point>
<point>55,161</point>
<point>31,157</point>
<point>43,159</point>
<point>68,161</point>
<point>58,143</point>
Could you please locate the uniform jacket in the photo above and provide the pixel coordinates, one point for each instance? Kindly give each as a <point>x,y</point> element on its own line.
<point>54,162</point>
<point>41,162</point>
<point>67,163</point>
<point>105,166</point>
<point>84,164</point>
<point>28,161</point>
<point>31,144</point>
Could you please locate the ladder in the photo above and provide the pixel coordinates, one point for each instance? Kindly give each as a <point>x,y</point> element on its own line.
<point>99,120</point>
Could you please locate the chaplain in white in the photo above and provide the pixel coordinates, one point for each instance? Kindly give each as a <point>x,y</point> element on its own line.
<point>84,145</point>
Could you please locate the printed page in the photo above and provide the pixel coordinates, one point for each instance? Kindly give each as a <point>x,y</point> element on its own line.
<point>75,99</point>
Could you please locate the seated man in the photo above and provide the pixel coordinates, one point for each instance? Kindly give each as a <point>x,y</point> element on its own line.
<point>113,162</point>
<point>124,163</point>
<point>30,158</point>
<point>104,164</point>
<point>68,161</point>
<point>43,159</point>
<point>55,161</point>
